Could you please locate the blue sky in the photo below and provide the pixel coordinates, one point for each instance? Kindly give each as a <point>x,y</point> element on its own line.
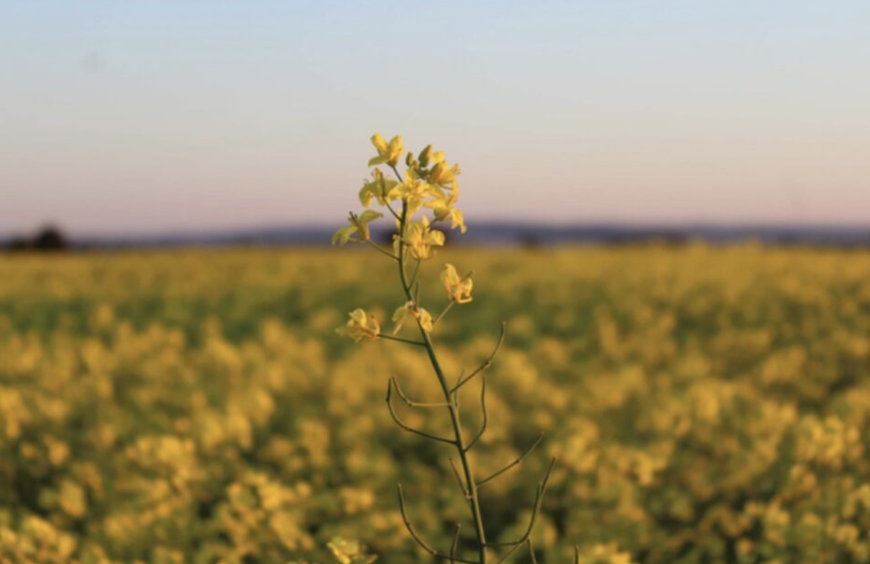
<point>138,117</point>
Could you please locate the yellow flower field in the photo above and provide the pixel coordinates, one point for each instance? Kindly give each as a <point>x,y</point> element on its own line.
<point>705,404</point>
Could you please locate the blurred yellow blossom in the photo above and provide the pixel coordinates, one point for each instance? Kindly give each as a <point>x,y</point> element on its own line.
<point>403,312</point>
<point>359,226</point>
<point>360,326</point>
<point>458,289</point>
<point>350,552</point>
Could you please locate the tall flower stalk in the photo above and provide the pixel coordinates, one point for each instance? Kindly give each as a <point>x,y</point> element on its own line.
<point>426,194</point>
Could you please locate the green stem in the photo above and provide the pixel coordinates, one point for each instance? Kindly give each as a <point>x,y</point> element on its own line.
<point>392,211</point>
<point>467,470</point>
<point>379,249</point>
<point>414,275</point>
<point>443,312</point>
<point>401,340</point>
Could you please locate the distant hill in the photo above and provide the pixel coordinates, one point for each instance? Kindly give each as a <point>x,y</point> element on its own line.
<point>532,234</point>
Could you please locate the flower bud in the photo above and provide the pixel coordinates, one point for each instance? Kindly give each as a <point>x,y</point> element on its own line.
<point>425,156</point>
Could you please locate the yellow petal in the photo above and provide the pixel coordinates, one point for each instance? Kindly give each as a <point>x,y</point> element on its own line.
<point>400,316</point>
<point>343,234</point>
<point>425,319</point>
<point>379,143</point>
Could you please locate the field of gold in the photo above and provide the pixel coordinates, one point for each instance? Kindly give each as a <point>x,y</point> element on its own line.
<point>706,405</point>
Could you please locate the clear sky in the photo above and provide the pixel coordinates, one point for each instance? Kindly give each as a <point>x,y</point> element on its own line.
<point>152,116</point>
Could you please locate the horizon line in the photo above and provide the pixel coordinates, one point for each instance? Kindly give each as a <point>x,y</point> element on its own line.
<point>500,223</point>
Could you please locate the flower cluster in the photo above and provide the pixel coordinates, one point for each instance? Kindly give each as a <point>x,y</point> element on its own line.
<point>428,183</point>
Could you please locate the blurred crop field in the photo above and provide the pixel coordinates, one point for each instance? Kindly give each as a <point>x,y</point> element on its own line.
<point>706,405</point>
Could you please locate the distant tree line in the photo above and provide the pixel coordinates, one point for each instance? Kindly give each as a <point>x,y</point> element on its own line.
<point>48,239</point>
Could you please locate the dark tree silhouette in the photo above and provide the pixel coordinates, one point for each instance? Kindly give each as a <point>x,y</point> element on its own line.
<point>50,239</point>
<point>47,239</point>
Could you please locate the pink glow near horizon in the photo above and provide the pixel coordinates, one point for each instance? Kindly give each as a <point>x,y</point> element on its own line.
<point>142,118</point>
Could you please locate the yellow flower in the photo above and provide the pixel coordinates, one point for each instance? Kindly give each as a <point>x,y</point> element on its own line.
<point>424,318</point>
<point>420,239</point>
<point>413,191</point>
<point>360,326</point>
<point>359,226</point>
<point>443,212</point>
<point>445,208</point>
<point>442,174</point>
<point>381,188</point>
<point>387,152</point>
<point>403,312</point>
<point>458,289</point>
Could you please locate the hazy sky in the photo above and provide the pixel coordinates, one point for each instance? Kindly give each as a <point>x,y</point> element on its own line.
<point>150,116</point>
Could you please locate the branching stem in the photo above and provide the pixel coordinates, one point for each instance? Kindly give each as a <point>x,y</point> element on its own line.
<point>512,464</point>
<point>416,272</point>
<point>416,536</point>
<point>392,211</point>
<point>459,440</point>
<point>485,421</point>
<point>407,427</point>
<point>455,544</point>
<point>401,340</point>
<point>411,403</point>
<point>486,363</point>
<point>532,556</point>
<point>536,509</point>
<point>463,472</point>
<point>443,312</point>
<point>378,248</point>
